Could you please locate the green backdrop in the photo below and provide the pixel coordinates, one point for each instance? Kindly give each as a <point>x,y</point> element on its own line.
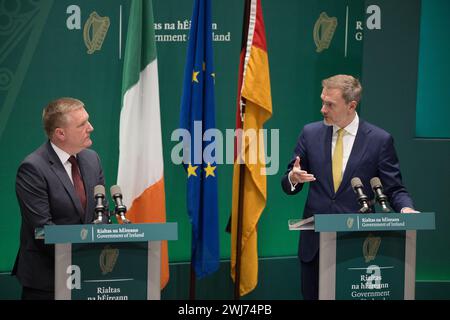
<point>41,59</point>
<point>432,111</point>
<point>390,77</point>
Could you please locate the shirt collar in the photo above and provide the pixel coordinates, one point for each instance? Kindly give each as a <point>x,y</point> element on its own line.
<point>352,128</point>
<point>62,155</point>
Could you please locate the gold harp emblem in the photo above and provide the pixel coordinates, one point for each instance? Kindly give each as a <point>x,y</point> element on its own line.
<point>94,32</point>
<point>84,233</point>
<point>324,31</point>
<point>350,221</point>
<point>108,259</point>
<point>370,247</point>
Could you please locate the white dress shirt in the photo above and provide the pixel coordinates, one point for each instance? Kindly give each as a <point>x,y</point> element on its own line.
<point>64,157</point>
<point>348,139</point>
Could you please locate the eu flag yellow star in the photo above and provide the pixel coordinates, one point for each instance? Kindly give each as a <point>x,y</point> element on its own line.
<point>191,170</point>
<point>194,76</point>
<point>210,170</point>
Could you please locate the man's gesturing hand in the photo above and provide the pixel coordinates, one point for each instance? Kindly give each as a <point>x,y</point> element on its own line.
<point>297,175</point>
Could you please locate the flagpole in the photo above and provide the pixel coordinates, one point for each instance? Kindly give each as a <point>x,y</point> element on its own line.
<point>192,283</point>
<point>192,280</point>
<point>237,275</point>
<point>239,232</point>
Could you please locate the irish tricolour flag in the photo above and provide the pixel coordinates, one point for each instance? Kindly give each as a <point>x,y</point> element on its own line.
<point>140,173</point>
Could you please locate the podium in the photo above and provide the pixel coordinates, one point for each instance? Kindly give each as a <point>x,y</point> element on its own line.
<point>108,261</point>
<point>367,256</point>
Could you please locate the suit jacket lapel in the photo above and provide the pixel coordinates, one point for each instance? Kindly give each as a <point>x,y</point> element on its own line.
<point>327,158</point>
<point>58,169</point>
<point>358,150</point>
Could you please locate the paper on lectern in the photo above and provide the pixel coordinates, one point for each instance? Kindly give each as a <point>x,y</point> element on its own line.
<point>301,224</point>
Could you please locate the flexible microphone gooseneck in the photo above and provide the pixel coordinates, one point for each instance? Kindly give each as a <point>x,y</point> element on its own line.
<point>99,195</point>
<point>120,208</point>
<point>363,200</point>
<point>377,188</point>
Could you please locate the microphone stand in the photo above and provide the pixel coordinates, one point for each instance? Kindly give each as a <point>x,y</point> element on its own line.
<point>365,208</point>
<point>383,205</point>
<point>103,216</point>
<point>120,211</point>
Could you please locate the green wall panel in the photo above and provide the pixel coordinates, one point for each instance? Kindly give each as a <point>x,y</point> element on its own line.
<point>390,69</point>
<point>433,110</point>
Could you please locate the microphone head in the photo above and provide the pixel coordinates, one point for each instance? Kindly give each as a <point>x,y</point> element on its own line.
<point>99,190</point>
<point>115,190</point>
<point>356,182</point>
<point>375,182</point>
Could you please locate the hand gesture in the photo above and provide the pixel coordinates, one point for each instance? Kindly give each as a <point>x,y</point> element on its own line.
<point>297,175</point>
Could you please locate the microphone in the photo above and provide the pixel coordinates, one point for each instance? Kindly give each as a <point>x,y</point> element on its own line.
<point>99,195</point>
<point>377,188</point>
<point>362,198</point>
<point>120,208</point>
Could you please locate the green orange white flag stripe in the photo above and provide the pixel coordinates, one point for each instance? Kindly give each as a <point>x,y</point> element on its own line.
<point>141,171</point>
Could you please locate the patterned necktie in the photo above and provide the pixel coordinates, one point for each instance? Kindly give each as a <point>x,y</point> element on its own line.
<point>78,182</point>
<point>338,159</point>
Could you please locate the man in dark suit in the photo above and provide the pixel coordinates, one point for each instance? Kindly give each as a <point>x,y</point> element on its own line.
<point>54,185</point>
<point>329,154</point>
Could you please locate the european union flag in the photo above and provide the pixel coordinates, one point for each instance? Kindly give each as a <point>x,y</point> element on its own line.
<point>197,116</point>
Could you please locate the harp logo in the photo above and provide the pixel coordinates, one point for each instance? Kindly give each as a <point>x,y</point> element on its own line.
<point>108,259</point>
<point>370,247</point>
<point>84,233</point>
<point>94,31</point>
<point>350,221</point>
<point>323,32</point>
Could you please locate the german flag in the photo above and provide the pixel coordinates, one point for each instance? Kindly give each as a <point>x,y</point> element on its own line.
<point>254,108</point>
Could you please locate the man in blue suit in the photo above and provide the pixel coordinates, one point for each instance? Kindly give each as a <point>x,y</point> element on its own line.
<point>328,155</point>
<point>54,185</point>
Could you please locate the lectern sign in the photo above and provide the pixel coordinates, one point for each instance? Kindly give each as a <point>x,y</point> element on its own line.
<point>108,232</point>
<point>371,265</point>
<point>367,256</point>
<point>108,261</point>
<point>105,271</point>
<point>374,221</point>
